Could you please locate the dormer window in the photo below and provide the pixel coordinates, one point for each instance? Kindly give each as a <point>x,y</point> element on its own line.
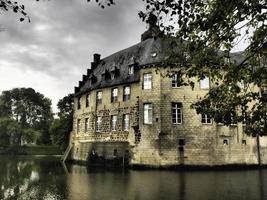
<point>106,75</point>
<point>115,72</point>
<point>131,70</point>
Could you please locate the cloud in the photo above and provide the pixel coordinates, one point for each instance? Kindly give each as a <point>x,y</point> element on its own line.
<point>59,42</point>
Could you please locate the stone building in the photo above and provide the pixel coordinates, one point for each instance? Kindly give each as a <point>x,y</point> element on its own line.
<point>126,107</point>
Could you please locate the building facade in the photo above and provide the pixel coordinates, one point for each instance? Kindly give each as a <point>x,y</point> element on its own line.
<point>129,106</point>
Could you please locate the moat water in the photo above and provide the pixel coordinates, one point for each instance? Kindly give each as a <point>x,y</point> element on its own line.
<point>46,178</point>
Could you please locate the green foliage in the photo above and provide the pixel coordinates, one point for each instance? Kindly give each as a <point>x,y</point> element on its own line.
<point>60,128</point>
<point>208,31</point>
<point>8,128</point>
<point>26,115</point>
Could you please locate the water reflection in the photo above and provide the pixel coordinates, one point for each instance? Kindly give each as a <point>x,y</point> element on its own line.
<point>45,178</point>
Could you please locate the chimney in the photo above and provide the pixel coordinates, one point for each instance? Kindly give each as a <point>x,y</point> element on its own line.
<point>93,65</point>
<point>76,89</point>
<point>88,72</point>
<point>97,58</point>
<point>84,78</point>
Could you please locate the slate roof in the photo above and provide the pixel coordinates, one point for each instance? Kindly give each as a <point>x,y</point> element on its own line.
<point>148,52</point>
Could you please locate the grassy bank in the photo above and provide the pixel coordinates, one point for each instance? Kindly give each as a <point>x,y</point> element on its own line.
<point>31,150</point>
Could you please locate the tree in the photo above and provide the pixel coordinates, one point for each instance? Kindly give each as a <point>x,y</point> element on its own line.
<point>9,131</point>
<point>10,5</point>
<point>30,111</point>
<point>207,31</point>
<point>60,128</point>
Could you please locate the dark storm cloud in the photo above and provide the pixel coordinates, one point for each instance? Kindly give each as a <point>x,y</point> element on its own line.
<point>64,34</point>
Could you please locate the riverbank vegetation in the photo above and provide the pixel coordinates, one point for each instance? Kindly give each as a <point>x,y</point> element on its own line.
<point>28,125</point>
<point>31,150</point>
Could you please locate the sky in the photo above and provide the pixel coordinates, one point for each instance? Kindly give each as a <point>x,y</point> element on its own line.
<point>51,53</point>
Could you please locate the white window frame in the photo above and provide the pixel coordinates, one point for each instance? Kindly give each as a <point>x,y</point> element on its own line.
<point>148,113</point>
<point>86,125</point>
<point>206,118</point>
<point>131,70</point>
<point>126,93</point>
<point>113,122</point>
<point>114,94</point>
<point>204,84</point>
<point>98,124</point>
<point>78,126</point>
<point>126,122</point>
<point>174,80</point>
<point>147,81</point>
<point>99,95</point>
<point>177,113</point>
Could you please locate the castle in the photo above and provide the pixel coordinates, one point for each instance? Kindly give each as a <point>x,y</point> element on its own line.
<point>125,108</point>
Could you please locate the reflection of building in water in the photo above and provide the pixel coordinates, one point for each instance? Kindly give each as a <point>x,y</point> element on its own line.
<point>131,103</point>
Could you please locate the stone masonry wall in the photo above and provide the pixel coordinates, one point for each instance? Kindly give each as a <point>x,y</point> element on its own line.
<point>162,143</point>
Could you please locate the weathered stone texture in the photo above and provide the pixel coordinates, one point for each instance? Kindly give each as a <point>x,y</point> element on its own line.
<point>162,143</point>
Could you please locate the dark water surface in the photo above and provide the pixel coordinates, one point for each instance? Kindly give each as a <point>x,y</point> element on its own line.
<point>46,178</point>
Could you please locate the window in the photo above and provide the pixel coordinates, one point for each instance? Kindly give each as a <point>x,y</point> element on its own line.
<point>205,83</point>
<point>112,76</point>
<point>126,93</point>
<point>113,122</point>
<point>98,124</point>
<point>176,80</point>
<point>78,125</point>
<point>147,81</point>
<point>131,70</point>
<point>225,142</point>
<point>106,75</point>
<point>126,122</point>
<point>79,103</point>
<point>181,142</point>
<point>233,121</point>
<point>176,113</point>
<point>244,142</point>
<point>206,119</point>
<point>114,94</point>
<point>220,120</point>
<point>99,97</point>
<point>147,113</point>
<point>87,101</point>
<point>86,125</point>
